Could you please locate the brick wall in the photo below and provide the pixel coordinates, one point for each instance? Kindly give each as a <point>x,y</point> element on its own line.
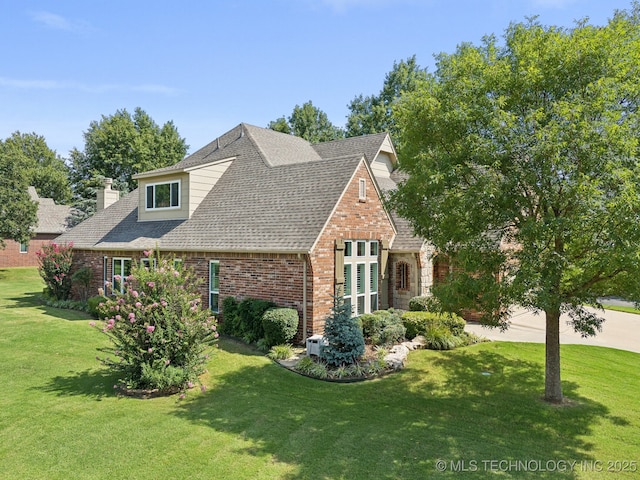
<point>10,256</point>
<point>279,277</point>
<point>274,277</point>
<point>352,220</point>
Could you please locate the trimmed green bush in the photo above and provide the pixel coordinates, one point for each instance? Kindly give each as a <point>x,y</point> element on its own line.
<point>250,311</point>
<point>420,304</point>
<point>244,319</point>
<point>280,325</point>
<point>229,325</point>
<point>423,304</point>
<point>454,323</point>
<point>82,279</point>
<point>93,305</point>
<point>344,336</point>
<point>417,323</point>
<point>383,327</point>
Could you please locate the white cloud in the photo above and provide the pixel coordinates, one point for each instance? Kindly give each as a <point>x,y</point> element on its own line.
<point>153,89</point>
<point>58,22</point>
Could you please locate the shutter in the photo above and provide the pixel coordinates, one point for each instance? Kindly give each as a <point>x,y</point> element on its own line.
<point>339,267</point>
<point>384,257</point>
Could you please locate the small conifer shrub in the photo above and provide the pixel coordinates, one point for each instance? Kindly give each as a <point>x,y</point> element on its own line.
<point>345,342</point>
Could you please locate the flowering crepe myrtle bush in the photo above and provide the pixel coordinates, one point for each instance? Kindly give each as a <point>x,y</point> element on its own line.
<point>54,266</point>
<point>159,332</point>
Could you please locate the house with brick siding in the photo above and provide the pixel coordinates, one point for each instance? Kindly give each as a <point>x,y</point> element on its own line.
<point>262,214</point>
<point>52,221</point>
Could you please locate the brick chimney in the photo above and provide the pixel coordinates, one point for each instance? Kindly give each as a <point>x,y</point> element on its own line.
<point>106,196</point>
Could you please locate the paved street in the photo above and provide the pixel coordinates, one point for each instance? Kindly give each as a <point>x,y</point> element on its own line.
<point>620,330</point>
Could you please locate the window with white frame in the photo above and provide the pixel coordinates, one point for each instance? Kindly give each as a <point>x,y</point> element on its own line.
<point>163,195</point>
<point>214,285</point>
<point>24,247</point>
<point>362,189</point>
<point>148,263</point>
<point>361,275</point>
<point>121,270</point>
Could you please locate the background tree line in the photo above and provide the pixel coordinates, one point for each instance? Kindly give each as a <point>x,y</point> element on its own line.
<point>119,145</point>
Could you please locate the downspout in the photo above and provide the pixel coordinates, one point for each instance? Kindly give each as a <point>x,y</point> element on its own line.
<point>304,298</point>
<point>104,273</point>
<point>304,301</point>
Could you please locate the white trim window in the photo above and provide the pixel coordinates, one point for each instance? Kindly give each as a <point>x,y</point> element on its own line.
<point>214,285</point>
<point>148,263</point>
<point>163,196</point>
<point>361,275</point>
<point>121,268</point>
<point>24,247</point>
<point>362,189</point>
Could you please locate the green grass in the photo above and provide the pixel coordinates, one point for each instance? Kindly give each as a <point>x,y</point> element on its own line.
<point>60,419</point>
<point>621,308</point>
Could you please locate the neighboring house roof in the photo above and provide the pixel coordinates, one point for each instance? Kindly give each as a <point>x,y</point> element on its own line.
<point>52,218</point>
<point>276,196</point>
<point>369,145</point>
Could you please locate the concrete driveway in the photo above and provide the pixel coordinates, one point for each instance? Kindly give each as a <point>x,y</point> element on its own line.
<point>620,330</point>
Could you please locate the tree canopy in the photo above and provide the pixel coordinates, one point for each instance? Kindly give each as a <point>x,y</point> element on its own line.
<point>373,114</point>
<point>43,168</point>
<point>522,162</point>
<point>308,122</point>
<point>18,213</point>
<point>119,146</point>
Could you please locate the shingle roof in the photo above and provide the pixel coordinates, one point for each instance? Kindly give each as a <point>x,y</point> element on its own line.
<point>276,196</point>
<point>369,145</point>
<point>52,218</point>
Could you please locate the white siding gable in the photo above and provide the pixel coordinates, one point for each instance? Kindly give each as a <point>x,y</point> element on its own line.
<point>382,165</point>
<point>202,181</point>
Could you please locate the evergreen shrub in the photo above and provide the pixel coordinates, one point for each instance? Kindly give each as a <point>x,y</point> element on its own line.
<point>344,336</point>
<point>280,325</point>
<point>382,327</point>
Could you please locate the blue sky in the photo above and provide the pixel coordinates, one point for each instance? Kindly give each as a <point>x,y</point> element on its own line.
<point>209,65</point>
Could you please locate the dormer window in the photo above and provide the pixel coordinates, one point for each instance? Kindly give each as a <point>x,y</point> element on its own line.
<point>163,195</point>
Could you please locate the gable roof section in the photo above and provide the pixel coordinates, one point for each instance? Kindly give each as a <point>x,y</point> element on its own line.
<point>272,198</point>
<point>369,145</point>
<point>52,218</point>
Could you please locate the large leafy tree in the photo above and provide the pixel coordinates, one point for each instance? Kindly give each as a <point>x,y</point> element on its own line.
<point>523,168</point>
<point>308,122</point>
<point>43,168</point>
<point>118,146</point>
<point>18,214</point>
<point>373,113</point>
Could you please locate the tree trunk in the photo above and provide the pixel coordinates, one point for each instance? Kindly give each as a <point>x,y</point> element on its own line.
<point>552,385</point>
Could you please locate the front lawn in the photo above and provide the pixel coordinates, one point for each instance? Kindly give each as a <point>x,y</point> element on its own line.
<point>60,418</point>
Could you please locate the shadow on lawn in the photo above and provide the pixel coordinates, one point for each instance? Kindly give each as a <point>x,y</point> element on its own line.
<point>92,383</point>
<point>399,426</point>
<point>34,300</point>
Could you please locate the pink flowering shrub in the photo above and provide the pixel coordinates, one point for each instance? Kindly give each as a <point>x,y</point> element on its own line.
<point>160,334</point>
<point>54,266</point>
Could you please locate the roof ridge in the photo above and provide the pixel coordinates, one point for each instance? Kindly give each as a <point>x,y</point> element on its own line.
<point>338,140</point>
